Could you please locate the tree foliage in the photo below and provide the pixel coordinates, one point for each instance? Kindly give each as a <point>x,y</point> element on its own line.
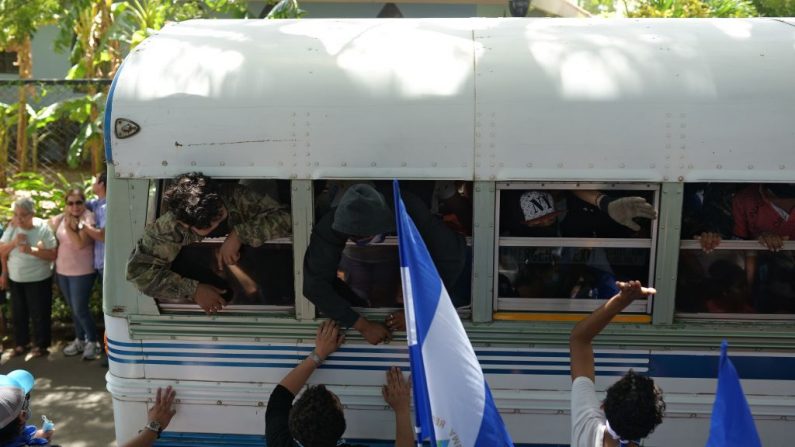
<point>20,19</point>
<point>286,9</point>
<point>693,8</point>
<point>775,8</point>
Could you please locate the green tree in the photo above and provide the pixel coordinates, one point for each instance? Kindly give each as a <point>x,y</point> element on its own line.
<point>98,33</point>
<point>775,8</point>
<point>286,9</point>
<point>19,21</point>
<point>692,8</point>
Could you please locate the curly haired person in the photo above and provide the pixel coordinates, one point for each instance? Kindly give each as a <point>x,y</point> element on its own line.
<point>633,407</point>
<point>200,207</point>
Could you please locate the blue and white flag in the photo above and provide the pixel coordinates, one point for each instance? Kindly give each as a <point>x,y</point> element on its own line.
<point>732,424</point>
<point>452,400</point>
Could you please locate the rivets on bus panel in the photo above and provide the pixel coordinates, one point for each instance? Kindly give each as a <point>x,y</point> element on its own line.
<point>403,163</point>
<point>781,166</point>
<point>344,164</point>
<point>719,166</point>
<point>372,163</point>
<point>750,166</point>
<point>560,165</point>
<point>218,402</point>
<point>164,163</point>
<point>223,163</point>
<point>681,179</point>
<point>260,404</point>
<point>193,163</point>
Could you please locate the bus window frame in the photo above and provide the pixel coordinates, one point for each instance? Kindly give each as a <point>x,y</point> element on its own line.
<point>567,305</point>
<point>464,312</point>
<point>743,245</point>
<point>153,212</point>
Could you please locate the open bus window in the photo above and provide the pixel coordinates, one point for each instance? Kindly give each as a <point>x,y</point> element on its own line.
<point>368,273</point>
<point>263,275</point>
<point>735,254</point>
<point>558,251</point>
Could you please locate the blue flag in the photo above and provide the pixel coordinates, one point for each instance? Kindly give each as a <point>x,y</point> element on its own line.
<point>452,400</point>
<point>732,424</point>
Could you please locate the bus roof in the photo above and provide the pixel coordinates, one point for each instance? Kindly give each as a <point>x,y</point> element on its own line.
<point>482,99</point>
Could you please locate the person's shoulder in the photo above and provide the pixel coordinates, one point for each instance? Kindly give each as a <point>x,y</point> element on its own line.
<point>44,224</point>
<point>750,192</point>
<point>165,226</point>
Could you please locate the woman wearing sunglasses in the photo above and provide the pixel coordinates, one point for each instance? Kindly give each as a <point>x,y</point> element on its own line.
<point>74,268</point>
<point>28,248</point>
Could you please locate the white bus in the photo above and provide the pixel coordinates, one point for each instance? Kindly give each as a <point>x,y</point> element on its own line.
<point>688,114</point>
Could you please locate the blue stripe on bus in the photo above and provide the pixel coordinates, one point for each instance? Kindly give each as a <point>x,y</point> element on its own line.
<point>562,354</point>
<point>659,365</point>
<point>108,128</point>
<point>182,439</point>
<point>390,360</point>
<point>328,366</point>
<point>706,366</point>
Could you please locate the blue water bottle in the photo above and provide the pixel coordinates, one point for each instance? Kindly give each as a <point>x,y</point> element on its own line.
<point>46,424</point>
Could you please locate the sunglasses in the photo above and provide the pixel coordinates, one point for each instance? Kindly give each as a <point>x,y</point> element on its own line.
<point>76,203</point>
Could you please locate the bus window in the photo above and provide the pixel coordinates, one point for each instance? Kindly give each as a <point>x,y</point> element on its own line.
<point>368,273</point>
<point>735,255</point>
<point>562,247</point>
<point>262,276</point>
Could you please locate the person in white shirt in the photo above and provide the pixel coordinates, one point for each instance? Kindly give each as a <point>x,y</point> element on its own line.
<point>633,406</point>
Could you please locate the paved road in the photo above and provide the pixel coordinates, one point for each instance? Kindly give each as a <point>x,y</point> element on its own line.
<point>72,393</point>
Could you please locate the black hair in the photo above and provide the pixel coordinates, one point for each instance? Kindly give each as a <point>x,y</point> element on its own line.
<point>102,177</point>
<point>195,199</point>
<point>316,419</point>
<point>634,406</point>
<point>11,430</point>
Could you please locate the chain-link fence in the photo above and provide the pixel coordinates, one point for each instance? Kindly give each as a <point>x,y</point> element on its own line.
<point>48,145</point>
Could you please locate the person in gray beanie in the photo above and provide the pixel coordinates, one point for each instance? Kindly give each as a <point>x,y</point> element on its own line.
<point>363,216</point>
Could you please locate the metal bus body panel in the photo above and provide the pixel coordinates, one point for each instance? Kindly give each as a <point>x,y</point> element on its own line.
<point>507,99</point>
<point>525,108</point>
<point>671,99</point>
<point>224,386</point>
<point>299,99</point>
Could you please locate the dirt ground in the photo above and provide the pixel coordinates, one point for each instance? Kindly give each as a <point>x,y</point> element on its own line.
<point>72,393</point>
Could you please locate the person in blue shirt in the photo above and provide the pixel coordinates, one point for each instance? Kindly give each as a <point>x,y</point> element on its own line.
<point>97,232</point>
<point>15,388</point>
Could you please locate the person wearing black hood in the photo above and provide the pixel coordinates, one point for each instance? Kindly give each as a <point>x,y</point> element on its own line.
<point>364,217</point>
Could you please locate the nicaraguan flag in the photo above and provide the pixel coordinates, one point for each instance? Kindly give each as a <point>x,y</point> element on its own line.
<point>732,424</point>
<point>453,403</point>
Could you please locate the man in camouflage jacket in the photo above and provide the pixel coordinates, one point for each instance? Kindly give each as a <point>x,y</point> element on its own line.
<point>198,207</point>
